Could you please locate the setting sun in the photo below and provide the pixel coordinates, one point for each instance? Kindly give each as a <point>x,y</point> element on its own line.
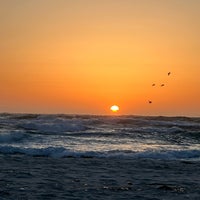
<point>83,57</point>
<point>114,108</point>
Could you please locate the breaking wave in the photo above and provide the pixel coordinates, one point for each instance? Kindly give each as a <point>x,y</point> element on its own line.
<point>61,152</point>
<point>54,126</point>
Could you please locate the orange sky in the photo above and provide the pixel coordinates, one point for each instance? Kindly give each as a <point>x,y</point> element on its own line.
<point>84,56</point>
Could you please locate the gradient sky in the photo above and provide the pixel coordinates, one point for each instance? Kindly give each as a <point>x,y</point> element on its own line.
<point>82,56</point>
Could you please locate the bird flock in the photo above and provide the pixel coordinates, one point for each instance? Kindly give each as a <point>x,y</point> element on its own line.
<point>162,85</point>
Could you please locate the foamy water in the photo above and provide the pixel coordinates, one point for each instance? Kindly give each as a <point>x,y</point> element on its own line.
<point>99,157</point>
<point>100,136</point>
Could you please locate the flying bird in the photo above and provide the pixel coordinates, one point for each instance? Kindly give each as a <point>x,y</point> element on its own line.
<point>162,85</point>
<point>150,101</point>
<point>168,73</point>
<point>153,84</point>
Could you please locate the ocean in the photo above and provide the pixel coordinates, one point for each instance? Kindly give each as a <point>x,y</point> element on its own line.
<point>99,157</point>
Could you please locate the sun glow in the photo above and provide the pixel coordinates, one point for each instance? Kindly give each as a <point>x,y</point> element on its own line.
<point>114,108</point>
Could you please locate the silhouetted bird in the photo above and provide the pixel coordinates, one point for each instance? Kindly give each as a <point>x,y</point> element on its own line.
<point>150,101</point>
<point>153,84</point>
<point>162,85</point>
<point>168,73</point>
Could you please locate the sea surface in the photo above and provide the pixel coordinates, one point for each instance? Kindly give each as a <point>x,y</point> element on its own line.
<point>99,157</point>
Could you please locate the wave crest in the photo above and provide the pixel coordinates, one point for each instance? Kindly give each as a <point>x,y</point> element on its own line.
<point>61,152</point>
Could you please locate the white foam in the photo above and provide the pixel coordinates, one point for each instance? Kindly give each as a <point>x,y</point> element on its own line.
<point>88,136</point>
<point>54,125</point>
<point>60,152</point>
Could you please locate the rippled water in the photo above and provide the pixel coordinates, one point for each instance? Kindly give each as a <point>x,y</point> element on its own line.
<point>100,136</point>
<point>99,157</point>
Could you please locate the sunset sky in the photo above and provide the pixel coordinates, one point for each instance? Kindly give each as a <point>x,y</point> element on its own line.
<point>83,56</point>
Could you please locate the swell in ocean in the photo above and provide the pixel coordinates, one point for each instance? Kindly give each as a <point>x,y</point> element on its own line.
<point>99,157</point>
<point>59,136</point>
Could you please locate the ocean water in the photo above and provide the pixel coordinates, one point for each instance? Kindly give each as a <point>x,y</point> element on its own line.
<point>99,157</point>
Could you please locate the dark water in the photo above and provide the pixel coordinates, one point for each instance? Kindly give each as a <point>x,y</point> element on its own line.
<point>25,177</point>
<point>99,157</point>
